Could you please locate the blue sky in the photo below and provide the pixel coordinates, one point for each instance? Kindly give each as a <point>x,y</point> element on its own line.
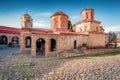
<point>106,11</point>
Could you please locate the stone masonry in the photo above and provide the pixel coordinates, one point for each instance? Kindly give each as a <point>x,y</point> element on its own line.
<point>41,41</point>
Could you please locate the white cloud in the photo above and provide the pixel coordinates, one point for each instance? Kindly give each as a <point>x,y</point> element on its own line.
<point>112,28</point>
<point>44,14</point>
<point>40,25</point>
<point>75,17</point>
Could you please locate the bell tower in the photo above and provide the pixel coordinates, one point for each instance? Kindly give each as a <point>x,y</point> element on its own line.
<point>87,14</point>
<point>26,21</point>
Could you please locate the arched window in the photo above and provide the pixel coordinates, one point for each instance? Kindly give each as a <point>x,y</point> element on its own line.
<point>3,40</point>
<point>86,14</point>
<point>64,21</point>
<point>75,43</point>
<point>28,42</point>
<point>53,45</point>
<point>40,47</point>
<point>15,40</point>
<point>55,23</point>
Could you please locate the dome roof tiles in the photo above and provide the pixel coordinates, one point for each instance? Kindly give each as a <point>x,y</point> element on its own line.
<point>59,13</point>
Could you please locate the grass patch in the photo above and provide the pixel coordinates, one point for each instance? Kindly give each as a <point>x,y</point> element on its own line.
<point>87,56</point>
<point>79,56</point>
<point>76,56</point>
<point>105,54</point>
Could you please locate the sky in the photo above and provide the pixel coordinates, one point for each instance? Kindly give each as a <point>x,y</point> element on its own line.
<point>106,11</point>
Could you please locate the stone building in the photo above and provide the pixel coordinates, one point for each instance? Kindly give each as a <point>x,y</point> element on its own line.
<point>59,38</point>
<point>9,34</point>
<point>118,41</point>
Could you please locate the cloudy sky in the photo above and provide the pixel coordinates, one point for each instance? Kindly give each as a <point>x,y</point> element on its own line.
<point>106,11</point>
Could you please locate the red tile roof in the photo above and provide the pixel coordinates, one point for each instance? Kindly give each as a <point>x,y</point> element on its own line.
<point>59,13</point>
<point>38,30</point>
<point>6,29</point>
<point>79,22</point>
<point>69,32</point>
<point>118,40</point>
<point>27,16</point>
<point>88,9</point>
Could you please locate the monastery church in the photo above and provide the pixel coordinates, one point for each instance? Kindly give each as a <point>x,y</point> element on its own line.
<point>59,38</point>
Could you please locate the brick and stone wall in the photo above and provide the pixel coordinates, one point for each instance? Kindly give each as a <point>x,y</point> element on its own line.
<point>10,36</point>
<point>96,40</point>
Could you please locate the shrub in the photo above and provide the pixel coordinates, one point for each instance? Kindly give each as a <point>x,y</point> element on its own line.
<point>10,44</point>
<point>84,44</point>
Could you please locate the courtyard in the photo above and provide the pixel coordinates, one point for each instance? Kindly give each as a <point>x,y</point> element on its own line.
<point>95,67</point>
<point>5,50</point>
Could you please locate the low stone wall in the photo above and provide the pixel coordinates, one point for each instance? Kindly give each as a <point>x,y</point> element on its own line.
<point>102,51</point>
<point>77,52</point>
<point>83,52</point>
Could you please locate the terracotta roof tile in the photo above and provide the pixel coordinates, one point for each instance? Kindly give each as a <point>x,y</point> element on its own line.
<point>118,40</point>
<point>59,13</point>
<point>6,29</point>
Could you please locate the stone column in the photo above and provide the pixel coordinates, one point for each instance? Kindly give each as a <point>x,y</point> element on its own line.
<point>56,49</point>
<point>58,44</point>
<point>22,42</point>
<point>9,37</point>
<point>47,45</point>
<point>33,46</point>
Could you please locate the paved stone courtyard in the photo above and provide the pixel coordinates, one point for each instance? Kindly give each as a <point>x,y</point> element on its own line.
<point>24,67</point>
<point>5,50</point>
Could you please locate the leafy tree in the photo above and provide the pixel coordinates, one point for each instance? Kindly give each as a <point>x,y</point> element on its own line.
<point>70,25</point>
<point>112,40</point>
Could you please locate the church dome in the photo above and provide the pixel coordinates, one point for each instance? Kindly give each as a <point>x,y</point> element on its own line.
<point>59,13</point>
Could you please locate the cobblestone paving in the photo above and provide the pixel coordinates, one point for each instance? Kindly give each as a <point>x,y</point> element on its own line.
<point>25,67</point>
<point>107,68</point>
<point>5,50</point>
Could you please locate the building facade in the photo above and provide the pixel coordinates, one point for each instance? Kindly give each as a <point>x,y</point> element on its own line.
<point>118,41</point>
<point>9,34</point>
<point>59,38</point>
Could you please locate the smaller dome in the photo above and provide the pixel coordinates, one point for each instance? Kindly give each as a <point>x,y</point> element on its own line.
<point>27,16</point>
<point>59,13</point>
<point>87,9</point>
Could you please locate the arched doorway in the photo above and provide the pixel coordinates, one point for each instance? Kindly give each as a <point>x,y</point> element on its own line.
<point>28,42</point>
<point>53,45</point>
<point>40,47</point>
<point>3,40</point>
<point>15,40</point>
<point>75,44</point>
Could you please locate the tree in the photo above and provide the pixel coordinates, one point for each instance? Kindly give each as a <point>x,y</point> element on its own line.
<point>70,25</point>
<point>112,40</point>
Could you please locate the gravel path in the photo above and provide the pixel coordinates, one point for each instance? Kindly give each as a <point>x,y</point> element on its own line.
<point>24,67</point>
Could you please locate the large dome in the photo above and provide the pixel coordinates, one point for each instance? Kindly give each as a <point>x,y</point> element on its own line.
<point>59,13</point>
